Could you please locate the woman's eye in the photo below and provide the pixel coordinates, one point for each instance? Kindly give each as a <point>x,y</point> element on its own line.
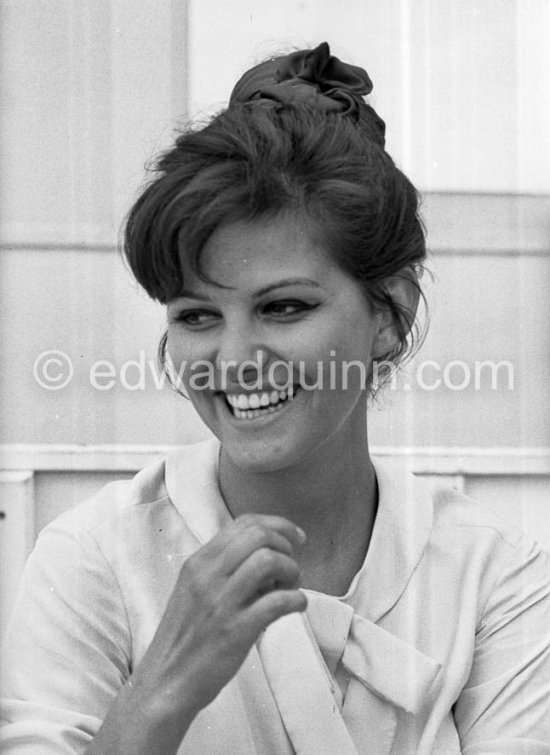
<point>287,308</point>
<point>195,318</point>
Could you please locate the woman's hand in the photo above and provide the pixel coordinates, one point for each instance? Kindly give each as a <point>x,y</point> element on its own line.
<point>226,594</point>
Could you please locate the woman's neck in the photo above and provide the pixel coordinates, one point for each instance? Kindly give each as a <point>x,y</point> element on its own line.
<point>332,497</point>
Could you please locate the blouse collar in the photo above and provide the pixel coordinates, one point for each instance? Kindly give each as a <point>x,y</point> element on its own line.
<point>401,529</point>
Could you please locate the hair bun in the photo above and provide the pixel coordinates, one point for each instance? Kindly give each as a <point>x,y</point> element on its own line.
<point>313,77</point>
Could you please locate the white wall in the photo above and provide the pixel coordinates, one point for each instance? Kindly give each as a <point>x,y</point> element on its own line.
<point>91,89</point>
<point>464,85</point>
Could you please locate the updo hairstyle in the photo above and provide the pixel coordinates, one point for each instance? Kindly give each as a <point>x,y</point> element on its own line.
<point>262,158</point>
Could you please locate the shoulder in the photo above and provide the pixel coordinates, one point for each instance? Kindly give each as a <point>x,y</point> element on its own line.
<point>456,512</point>
<point>129,519</point>
<point>477,537</point>
<point>118,499</point>
<point>511,569</point>
<point>137,497</point>
<point>452,534</point>
<point>408,502</point>
<point>413,501</point>
<point>503,553</point>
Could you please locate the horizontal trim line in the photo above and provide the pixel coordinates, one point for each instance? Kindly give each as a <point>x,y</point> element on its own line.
<point>470,461</point>
<point>60,246</point>
<point>15,477</point>
<point>495,461</point>
<point>443,250</point>
<point>457,223</point>
<point>468,223</point>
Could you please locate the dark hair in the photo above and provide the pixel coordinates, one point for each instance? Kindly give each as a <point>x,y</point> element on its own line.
<point>252,161</point>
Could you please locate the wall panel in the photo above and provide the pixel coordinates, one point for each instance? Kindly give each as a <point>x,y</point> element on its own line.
<point>488,301</point>
<point>464,85</point>
<point>17,532</point>
<point>89,93</point>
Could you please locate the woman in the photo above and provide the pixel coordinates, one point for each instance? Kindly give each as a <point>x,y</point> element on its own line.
<point>275,590</point>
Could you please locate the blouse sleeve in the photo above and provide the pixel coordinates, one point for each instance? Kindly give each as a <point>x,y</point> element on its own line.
<point>67,647</point>
<point>505,706</point>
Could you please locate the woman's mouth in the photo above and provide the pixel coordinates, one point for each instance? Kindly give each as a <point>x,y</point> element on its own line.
<point>254,405</point>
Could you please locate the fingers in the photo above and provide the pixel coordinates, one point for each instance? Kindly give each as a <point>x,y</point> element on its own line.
<point>270,607</point>
<point>251,524</point>
<point>250,533</point>
<point>247,561</point>
<point>264,571</point>
<point>226,594</point>
<point>279,523</point>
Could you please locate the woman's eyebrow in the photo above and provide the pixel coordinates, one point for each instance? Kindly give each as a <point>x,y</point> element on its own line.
<point>187,293</point>
<point>287,282</point>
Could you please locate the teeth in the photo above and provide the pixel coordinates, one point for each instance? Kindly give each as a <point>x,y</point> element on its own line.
<point>254,401</point>
<point>252,405</point>
<point>242,402</point>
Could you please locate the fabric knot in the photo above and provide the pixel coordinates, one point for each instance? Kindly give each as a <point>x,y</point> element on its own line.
<point>313,77</point>
<point>385,664</point>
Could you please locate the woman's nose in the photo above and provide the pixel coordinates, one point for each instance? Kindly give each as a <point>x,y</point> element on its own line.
<point>240,357</point>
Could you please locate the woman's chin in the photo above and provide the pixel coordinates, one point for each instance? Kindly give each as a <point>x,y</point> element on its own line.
<point>258,456</point>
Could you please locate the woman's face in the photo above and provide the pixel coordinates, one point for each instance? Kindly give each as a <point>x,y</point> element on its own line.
<point>262,358</point>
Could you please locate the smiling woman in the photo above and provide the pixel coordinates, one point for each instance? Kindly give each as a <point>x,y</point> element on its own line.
<point>287,304</point>
<point>275,590</point>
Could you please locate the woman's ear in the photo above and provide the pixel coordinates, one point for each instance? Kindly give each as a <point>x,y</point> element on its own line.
<point>404,289</point>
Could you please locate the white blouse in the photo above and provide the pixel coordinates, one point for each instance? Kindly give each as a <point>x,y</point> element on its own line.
<point>440,645</point>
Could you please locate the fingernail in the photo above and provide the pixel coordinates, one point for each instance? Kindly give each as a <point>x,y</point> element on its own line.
<point>301,534</point>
